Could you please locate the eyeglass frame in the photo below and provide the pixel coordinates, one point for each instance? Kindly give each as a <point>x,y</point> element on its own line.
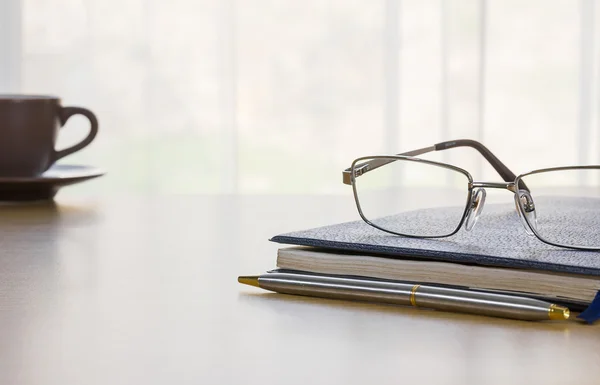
<point>511,181</point>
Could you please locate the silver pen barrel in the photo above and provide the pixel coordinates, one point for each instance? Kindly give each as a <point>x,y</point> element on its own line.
<point>431,297</point>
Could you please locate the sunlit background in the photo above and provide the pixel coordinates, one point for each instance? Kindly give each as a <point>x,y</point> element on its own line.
<point>234,96</point>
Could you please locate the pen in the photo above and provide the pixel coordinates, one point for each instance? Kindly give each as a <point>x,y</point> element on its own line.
<point>426,296</point>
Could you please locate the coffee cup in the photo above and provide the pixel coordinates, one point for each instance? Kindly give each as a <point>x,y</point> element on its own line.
<point>29,126</point>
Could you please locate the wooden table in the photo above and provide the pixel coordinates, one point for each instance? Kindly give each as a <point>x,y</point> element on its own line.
<point>142,290</point>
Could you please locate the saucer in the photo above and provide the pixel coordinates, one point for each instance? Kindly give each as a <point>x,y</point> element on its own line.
<point>45,186</point>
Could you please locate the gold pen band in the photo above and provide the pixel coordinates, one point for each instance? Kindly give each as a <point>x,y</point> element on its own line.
<point>413,292</point>
<point>558,313</point>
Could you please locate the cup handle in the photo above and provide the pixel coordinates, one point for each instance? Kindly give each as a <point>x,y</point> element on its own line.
<point>64,115</point>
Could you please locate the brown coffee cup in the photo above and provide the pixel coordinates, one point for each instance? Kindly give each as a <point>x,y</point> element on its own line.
<point>29,126</point>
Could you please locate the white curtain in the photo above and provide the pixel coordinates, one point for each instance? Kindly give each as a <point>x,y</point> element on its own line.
<point>225,96</point>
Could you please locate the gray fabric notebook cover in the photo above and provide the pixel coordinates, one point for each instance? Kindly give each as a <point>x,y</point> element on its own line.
<point>498,239</point>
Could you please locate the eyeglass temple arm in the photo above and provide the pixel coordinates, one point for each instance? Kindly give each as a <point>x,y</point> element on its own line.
<point>501,169</point>
<point>505,173</point>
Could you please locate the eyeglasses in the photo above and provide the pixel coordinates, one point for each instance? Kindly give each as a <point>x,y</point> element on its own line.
<point>560,206</point>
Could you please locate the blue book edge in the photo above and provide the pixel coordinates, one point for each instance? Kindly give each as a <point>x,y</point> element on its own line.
<point>592,313</point>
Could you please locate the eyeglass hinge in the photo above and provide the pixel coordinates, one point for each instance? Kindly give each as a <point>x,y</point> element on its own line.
<point>358,171</point>
<point>346,179</point>
<point>361,170</point>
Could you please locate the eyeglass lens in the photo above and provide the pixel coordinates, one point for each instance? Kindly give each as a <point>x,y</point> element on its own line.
<point>563,206</point>
<point>413,198</point>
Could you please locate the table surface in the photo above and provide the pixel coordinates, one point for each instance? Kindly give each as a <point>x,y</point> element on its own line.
<point>143,290</point>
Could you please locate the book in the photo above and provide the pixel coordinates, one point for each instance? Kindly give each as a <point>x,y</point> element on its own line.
<point>496,255</point>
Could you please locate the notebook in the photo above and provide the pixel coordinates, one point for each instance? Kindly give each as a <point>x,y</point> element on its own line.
<point>499,240</point>
<point>497,255</point>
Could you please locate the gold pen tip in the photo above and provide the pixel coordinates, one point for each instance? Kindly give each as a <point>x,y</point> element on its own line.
<point>558,313</point>
<point>251,280</point>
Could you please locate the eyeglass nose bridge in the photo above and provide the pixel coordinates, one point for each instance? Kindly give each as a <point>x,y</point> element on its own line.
<point>523,203</point>
<point>510,186</point>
